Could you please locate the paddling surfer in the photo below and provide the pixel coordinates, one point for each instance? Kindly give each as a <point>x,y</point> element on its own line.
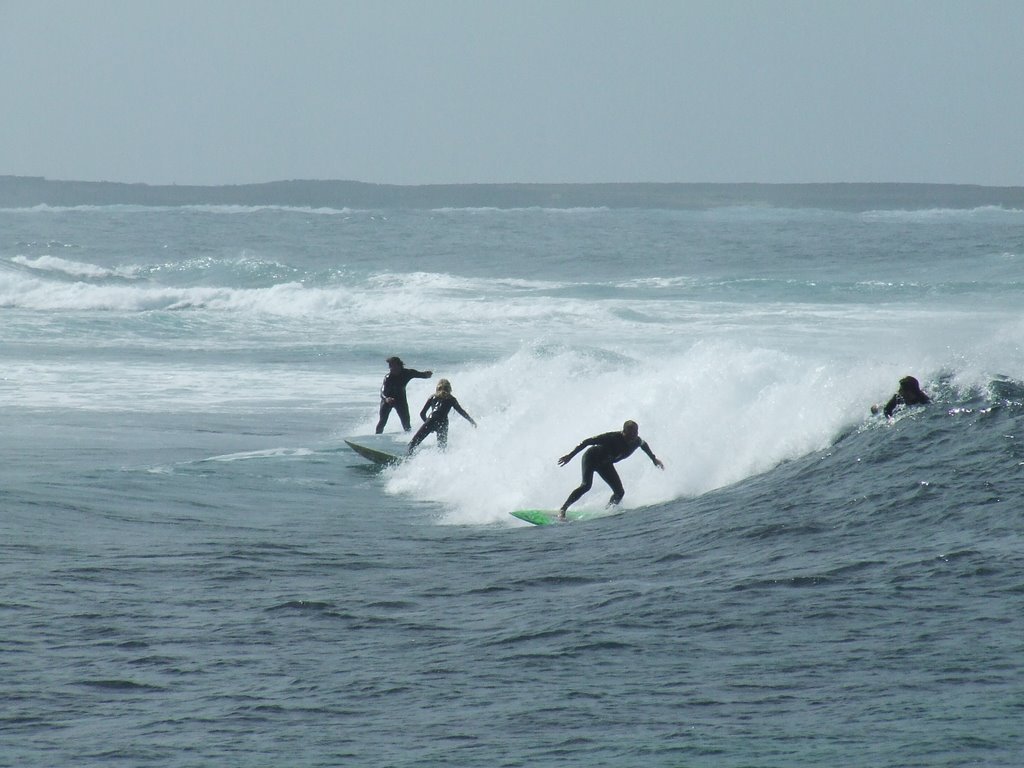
<point>909,393</point>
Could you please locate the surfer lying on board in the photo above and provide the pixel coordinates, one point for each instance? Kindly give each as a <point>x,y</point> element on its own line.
<point>439,404</point>
<point>604,451</point>
<point>392,392</point>
<point>909,394</point>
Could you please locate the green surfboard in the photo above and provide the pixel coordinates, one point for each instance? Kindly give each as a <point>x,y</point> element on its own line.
<point>549,516</point>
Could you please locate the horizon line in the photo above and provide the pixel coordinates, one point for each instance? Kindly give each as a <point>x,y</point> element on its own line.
<point>15,176</point>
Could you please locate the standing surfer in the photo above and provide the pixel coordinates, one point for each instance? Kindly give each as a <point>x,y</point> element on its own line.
<point>392,392</point>
<point>604,451</point>
<point>439,404</point>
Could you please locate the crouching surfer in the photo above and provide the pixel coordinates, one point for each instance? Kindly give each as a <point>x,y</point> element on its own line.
<point>439,405</point>
<point>603,451</point>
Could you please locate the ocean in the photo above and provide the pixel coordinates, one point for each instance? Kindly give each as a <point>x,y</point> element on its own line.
<point>196,569</point>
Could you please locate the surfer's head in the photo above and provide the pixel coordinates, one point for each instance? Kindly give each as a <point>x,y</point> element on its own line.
<point>630,429</point>
<point>395,362</point>
<point>908,384</point>
<point>444,388</point>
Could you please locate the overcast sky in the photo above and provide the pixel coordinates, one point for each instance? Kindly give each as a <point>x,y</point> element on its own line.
<point>448,91</point>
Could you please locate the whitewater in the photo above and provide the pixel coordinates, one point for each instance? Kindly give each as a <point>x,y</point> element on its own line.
<point>197,569</point>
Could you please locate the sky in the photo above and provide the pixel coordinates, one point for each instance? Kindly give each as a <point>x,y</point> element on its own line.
<point>529,91</point>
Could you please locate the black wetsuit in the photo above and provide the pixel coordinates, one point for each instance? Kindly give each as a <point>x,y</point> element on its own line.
<point>437,421</point>
<point>905,398</point>
<point>605,450</point>
<point>394,386</point>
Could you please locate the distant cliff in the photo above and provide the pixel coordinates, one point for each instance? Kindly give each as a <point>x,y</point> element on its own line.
<point>28,191</point>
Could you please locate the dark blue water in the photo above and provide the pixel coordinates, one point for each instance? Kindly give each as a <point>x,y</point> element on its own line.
<point>196,570</point>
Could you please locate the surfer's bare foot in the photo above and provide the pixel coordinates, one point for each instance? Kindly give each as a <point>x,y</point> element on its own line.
<point>561,514</point>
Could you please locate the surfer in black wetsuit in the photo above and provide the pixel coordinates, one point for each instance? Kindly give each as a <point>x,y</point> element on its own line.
<point>604,451</point>
<point>392,392</point>
<point>909,394</point>
<point>439,404</point>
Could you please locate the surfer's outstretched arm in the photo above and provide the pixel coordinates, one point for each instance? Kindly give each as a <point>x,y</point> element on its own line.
<point>568,457</point>
<point>458,409</point>
<point>647,449</point>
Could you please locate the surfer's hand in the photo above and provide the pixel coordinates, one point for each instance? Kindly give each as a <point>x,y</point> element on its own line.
<point>565,460</point>
<point>658,463</point>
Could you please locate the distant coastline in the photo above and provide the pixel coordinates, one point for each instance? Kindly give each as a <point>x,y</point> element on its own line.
<point>30,191</point>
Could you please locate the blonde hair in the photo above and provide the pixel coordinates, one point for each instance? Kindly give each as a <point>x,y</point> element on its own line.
<point>444,387</point>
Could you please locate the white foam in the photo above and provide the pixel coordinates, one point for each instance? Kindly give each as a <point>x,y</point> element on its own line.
<point>270,453</point>
<point>148,387</point>
<point>213,209</point>
<point>73,268</point>
<point>983,212</point>
<point>714,413</point>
